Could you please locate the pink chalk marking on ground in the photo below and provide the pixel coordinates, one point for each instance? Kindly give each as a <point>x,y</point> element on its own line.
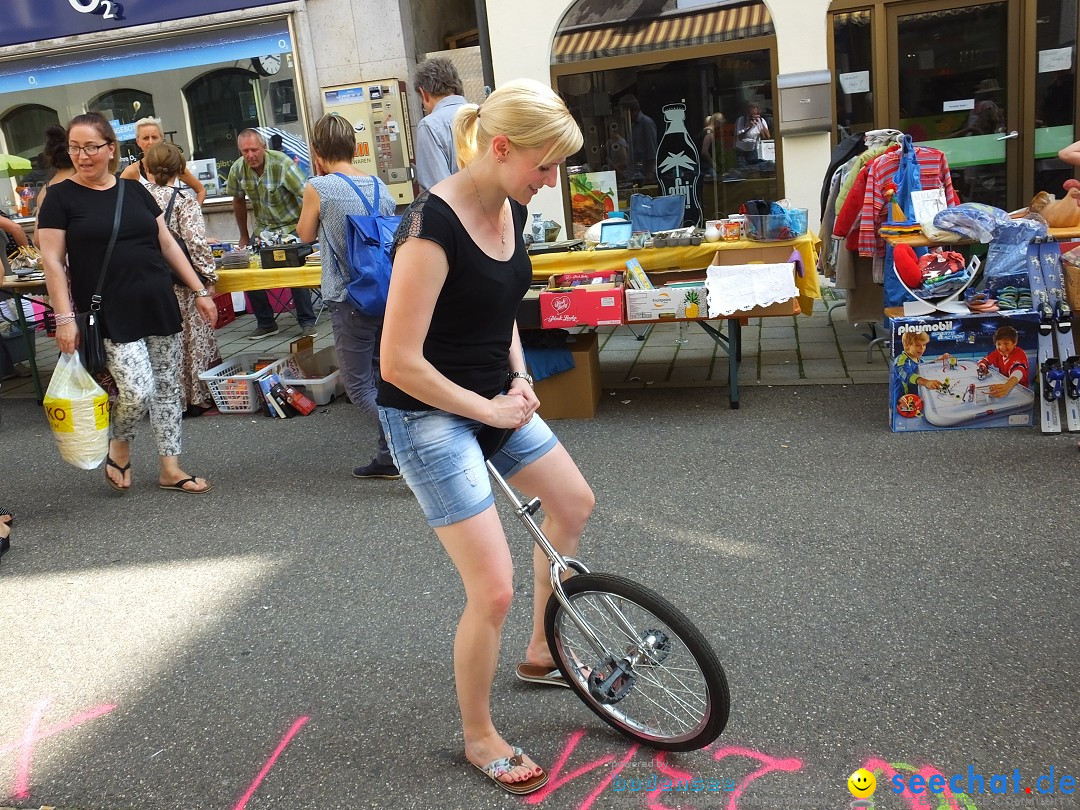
<point>913,800</point>
<point>292,732</point>
<point>33,735</point>
<point>670,771</point>
<point>768,765</point>
<point>555,781</point>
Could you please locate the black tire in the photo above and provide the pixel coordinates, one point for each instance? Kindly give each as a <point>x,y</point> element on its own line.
<point>675,700</point>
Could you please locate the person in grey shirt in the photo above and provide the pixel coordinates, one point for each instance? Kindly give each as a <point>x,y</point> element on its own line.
<point>440,89</point>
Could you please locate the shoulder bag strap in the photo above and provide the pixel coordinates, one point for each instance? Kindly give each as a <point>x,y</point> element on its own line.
<point>95,299</point>
<point>169,207</point>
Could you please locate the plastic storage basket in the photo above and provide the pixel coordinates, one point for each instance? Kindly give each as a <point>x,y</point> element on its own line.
<point>776,227</point>
<point>320,379</point>
<point>234,384</point>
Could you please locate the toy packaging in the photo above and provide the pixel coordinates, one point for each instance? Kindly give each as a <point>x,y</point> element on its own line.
<point>963,371</point>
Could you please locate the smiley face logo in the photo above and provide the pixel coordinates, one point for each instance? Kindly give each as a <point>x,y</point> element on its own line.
<point>861,784</point>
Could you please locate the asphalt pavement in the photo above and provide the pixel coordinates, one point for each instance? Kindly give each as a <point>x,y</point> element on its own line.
<point>906,602</point>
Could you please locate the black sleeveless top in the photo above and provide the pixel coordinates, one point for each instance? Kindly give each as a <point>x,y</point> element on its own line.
<point>473,321</point>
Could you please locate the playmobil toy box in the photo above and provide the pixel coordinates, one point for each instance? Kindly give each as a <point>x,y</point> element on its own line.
<point>582,299</point>
<point>963,371</point>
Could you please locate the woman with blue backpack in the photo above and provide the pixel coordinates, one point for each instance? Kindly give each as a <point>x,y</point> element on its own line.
<point>338,190</point>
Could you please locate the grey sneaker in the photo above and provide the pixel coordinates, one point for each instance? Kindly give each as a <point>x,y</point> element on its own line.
<point>263,331</point>
<point>387,472</point>
<point>311,330</point>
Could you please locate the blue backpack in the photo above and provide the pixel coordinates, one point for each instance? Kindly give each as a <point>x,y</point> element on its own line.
<point>369,239</point>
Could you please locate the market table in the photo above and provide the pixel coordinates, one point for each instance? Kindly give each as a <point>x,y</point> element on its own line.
<point>19,290</point>
<point>677,263</point>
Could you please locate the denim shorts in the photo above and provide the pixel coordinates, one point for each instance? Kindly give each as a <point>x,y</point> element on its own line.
<point>438,455</point>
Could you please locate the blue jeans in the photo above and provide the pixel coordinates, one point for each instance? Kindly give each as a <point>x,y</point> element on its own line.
<point>264,312</point>
<point>356,338</point>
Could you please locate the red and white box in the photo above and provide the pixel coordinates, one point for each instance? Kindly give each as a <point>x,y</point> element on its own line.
<point>582,299</point>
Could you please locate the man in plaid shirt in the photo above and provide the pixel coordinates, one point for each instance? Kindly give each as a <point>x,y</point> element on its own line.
<point>275,187</point>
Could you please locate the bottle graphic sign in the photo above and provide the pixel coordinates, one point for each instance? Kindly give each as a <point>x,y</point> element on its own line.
<point>678,165</point>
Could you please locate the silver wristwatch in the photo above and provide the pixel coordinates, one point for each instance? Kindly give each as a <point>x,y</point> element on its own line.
<point>202,293</point>
<point>519,375</point>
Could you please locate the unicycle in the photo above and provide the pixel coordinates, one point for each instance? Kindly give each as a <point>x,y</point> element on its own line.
<point>629,654</point>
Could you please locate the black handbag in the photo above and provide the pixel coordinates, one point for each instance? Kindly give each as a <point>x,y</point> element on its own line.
<point>91,341</point>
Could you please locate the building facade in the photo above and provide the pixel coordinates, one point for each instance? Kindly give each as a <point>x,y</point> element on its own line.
<point>720,101</point>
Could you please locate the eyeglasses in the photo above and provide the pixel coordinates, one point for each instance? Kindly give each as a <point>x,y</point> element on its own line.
<point>90,149</point>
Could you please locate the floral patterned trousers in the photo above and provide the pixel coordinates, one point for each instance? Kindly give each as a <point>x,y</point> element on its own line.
<point>147,375</point>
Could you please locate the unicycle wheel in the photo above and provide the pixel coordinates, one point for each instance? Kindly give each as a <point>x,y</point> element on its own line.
<point>661,685</point>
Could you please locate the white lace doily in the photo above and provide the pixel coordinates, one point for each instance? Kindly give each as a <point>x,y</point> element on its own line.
<point>737,287</point>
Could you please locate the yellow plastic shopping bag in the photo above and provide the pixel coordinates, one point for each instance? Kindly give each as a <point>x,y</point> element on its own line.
<point>78,412</point>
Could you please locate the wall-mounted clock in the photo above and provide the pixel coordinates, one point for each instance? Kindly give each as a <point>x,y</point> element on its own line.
<point>266,65</point>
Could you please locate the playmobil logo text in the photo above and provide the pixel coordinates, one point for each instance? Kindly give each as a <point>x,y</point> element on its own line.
<point>943,326</point>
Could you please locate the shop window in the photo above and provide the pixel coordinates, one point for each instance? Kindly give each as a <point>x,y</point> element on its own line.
<point>24,129</point>
<point>667,126</point>
<point>853,58</point>
<point>205,86</point>
<point>221,105</point>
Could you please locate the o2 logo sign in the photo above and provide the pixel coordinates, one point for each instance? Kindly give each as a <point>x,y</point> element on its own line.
<point>109,10</point>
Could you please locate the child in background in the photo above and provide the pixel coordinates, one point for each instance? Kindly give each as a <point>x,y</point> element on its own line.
<point>1009,359</point>
<point>906,367</point>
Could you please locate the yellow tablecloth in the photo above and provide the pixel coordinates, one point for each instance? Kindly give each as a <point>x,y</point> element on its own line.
<point>695,257</point>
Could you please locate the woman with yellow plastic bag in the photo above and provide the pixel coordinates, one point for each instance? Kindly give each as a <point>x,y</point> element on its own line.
<point>78,412</point>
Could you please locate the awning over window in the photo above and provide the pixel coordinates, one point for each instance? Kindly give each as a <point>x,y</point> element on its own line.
<point>664,33</point>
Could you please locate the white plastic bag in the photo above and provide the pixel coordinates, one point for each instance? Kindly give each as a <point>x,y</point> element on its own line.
<point>78,412</point>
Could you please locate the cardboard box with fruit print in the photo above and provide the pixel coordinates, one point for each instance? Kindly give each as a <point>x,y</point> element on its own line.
<point>667,303</point>
<point>593,196</point>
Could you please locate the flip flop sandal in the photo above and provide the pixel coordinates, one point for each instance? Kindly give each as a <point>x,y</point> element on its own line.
<point>4,513</point>
<point>534,673</point>
<point>123,470</point>
<point>496,768</point>
<point>178,486</point>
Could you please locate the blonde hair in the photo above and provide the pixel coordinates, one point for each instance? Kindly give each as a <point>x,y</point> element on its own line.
<point>149,121</point>
<point>164,162</point>
<point>914,338</point>
<point>528,113</point>
<point>333,139</point>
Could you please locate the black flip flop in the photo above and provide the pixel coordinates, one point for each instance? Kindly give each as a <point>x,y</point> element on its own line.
<point>178,486</point>
<point>109,462</point>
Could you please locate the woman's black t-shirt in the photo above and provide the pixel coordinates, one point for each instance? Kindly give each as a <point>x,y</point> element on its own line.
<point>473,321</point>
<point>137,298</point>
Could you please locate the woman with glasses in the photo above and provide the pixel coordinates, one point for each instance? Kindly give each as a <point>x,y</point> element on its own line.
<point>139,314</point>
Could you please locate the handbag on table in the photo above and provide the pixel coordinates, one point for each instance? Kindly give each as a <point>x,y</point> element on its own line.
<point>91,341</point>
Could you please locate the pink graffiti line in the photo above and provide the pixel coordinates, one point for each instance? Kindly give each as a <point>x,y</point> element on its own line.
<point>34,734</point>
<point>913,800</point>
<point>556,780</point>
<point>672,773</point>
<point>768,765</point>
<point>292,732</point>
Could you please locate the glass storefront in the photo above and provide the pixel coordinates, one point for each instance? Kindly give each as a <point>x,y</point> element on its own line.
<point>662,101</point>
<point>206,87</point>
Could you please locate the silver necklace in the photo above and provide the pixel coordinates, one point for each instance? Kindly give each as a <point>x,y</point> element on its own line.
<point>479,199</point>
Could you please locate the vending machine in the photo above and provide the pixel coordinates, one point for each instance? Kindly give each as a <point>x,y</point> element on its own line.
<point>379,112</point>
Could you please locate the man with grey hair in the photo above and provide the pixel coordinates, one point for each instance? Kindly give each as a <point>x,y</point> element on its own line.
<point>440,89</point>
<point>275,186</point>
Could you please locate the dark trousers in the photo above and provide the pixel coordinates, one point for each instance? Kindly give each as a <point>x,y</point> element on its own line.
<point>264,313</point>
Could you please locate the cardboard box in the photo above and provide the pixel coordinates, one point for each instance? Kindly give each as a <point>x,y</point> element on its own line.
<point>666,303</point>
<point>574,394</point>
<point>285,255</point>
<point>948,350</point>
<point>582,299</point>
